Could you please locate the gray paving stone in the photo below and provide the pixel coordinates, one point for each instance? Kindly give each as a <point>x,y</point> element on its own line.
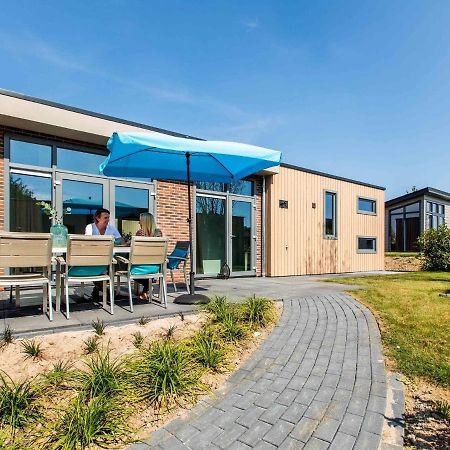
<point>305,396</point>
<point>250,416</point>
<point>291,444</point>
<point>327,429</point>
<point>304,429</point>
<point>272,414</point>
<point>231,435</point>
<point>351,424</point>
<point>263,445</point>
<point>255,433</point>
<point>373,422</point>
<point>357,405</point>
<point>316,410</point>
<point>367,441</point>
<point>294,413</point>
<point>343,441</point>
<point>316,444</point>
<point>278,432</point>
<point>267,399</point>
<point>287,397</point>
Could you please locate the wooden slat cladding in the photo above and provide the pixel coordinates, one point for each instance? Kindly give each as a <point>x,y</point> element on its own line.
<point>295,235</point>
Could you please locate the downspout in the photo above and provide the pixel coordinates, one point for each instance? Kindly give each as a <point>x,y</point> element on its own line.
<point>263,228</point>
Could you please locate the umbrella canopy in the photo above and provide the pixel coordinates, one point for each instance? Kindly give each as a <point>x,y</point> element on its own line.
<point>161,156</point>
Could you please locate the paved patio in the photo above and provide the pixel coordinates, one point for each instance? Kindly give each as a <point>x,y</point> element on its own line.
<point>28,319</point>
<point>317,382</point>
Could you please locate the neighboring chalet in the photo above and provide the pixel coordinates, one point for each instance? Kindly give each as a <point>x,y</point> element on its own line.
<point>409,215</point>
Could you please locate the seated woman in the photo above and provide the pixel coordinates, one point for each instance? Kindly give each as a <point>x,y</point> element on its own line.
<point>147,228</point>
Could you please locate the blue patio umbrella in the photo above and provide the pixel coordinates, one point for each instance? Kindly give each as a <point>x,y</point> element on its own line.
<point>160,156</point>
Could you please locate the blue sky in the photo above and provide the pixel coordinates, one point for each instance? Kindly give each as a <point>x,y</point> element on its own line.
<point>359,89</point>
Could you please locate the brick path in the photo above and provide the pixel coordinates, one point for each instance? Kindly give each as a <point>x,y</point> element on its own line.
<point>317,382</point>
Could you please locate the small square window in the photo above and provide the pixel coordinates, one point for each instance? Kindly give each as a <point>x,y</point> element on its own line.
<point>367,245</point>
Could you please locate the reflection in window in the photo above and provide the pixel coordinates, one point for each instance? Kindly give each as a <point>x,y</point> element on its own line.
<point>25,191</point>
<point>242,187</point>
<point>22,152</point>
<point>77,161</point>
<point>241,236</point>
<point>83,199</point>
<point>130,203</point>
<point>210,186</point>
<point>404,228</point>
<point>367,245</point>
<point>435,215</point>
<point>330,214</point>
<point>366,205</point>
<point>210,234</point>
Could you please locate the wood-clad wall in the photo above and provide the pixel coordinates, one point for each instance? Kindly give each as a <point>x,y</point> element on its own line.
<point>295,236</point>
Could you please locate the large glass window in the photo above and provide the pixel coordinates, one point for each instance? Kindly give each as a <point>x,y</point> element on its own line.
<point>435,215</point>
<point>83,199</point>
<point>21,152</point>
<point>242,187</point>
<point>24,192</point>
<point>210,234</point>
<point>367,206</point>
<point>404,228</point>
<point>77,161</point>
<point>130,203</point>
<point>330,215</point>
<point>210,186</point>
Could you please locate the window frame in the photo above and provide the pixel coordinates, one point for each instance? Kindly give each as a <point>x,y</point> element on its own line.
<point>432,214</point>
<point>368,213</point>
<point>333,236</point>
<point>366,251</point>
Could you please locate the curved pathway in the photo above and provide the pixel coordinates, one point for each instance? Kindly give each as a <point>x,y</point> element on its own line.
<point>317,382</point>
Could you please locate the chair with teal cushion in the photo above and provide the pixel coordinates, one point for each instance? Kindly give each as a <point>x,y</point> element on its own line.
<point>89,259</point>
<point>147,261</point>
<point>179,257</point>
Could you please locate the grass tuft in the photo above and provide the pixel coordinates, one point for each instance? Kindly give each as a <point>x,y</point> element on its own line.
<point>138,339</point>
<point>104,375</point>
<point>169,333</point>
<point>181,314</point>
<point>91,344</point>
<point>31,348</point>
<point>442,408</point>
<point>231,329</point>
<point>143,320</point>
<point>7,336</point>
<point>258,311</point>
<point>97,421</point>
<point>208,350</point>
<point>17,402</point>
<point>166,375</point>
<point>218,307</point>
<point>59,373</point>
<point>99,327</point>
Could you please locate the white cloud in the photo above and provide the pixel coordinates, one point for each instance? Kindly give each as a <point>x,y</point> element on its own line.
<point>251,24</point>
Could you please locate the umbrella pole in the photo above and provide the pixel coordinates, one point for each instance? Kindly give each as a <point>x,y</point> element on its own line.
<point>191,273</point>
<point>192,298</point>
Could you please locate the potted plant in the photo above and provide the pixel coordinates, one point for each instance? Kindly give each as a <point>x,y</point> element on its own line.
<point>58,229</point>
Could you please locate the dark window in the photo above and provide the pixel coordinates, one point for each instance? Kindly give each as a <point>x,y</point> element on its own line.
<point>330,215</point>
<point>25,192</point>
<point>210,186</point>
<point>77,161</point>
<point>404,228</point>
<point>21,152</point>
<point>367,245</point>
<point>367,206</point>
<point>435,215</point>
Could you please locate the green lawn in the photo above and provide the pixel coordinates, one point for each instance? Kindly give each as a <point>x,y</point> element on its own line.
<point>415,320</point>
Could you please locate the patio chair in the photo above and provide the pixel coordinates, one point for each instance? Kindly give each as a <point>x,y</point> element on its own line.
<point>179,256</point>
<point>28,250</point>
<point>88,259</point>
<point>147,260</point>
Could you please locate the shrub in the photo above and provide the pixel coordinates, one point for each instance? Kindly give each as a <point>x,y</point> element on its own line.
<point>435,248</point>
<point>104,375</point>
<point>17,402</point>
<point>99,327</point>
<point>218,307</point>
<point>258,311</point>
<point>31,348</point>
<point>208,350</point>
<point>87,422</point>
<point>165,374</point>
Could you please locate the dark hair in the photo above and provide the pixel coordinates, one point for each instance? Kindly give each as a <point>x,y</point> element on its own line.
<point>100,211</point>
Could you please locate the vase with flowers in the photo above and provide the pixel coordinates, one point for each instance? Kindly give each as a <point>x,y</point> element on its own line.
<point>58,229</point>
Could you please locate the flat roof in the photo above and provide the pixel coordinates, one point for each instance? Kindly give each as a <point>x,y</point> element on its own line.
<point>432,192</point>
<point>93,114</point>
<point>335,177</point>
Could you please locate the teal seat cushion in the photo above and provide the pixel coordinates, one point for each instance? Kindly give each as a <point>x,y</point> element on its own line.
<point>145,269</point>
<point>87,271</point>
